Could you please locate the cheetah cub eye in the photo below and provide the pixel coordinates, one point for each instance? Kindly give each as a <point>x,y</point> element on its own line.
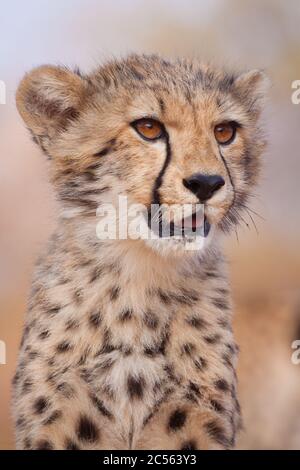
<point>225,132</point>
<point>148,128</point>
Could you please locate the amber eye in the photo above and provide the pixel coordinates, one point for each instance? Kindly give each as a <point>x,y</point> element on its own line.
<point>225,132</point>
<point>148,128</point>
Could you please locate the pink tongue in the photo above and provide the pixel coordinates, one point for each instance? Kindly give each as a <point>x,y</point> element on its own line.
<point>193,221</point>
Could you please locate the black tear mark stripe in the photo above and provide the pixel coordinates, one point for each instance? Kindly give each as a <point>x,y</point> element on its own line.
<point>158,183</point>
<point>159,179</point>
<point>227,169</point>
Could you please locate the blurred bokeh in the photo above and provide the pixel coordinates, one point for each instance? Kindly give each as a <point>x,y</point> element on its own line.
<point>265,260</point>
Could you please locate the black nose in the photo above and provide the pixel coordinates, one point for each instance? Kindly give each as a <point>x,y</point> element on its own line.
<point>204,186</point>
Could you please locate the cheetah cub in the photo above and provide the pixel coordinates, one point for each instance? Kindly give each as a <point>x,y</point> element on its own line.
<point>128,341</point>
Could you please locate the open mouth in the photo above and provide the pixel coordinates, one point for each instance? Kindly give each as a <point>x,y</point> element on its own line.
<point>194,225</point>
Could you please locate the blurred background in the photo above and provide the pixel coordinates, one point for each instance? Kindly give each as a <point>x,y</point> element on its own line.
<point>264,260</point>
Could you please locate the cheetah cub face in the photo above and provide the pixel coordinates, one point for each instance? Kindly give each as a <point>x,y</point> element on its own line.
<point>163,134</point>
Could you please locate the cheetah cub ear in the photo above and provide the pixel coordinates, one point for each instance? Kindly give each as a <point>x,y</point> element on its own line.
<point>252,88</point>
<point>48,98</point>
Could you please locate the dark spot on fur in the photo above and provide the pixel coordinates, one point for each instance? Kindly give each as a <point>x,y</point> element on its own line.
<point>188,348</point>
<point>88,205</point>
<point>53,417</point>
<point>222,385</point>
<point>151,351</point>
<point>196,322</point>
<point>225,84</point>
<point>53,310</point>
<point>193,392</point>
<point>220,303</point>
<point>96,273</point>
<point>114,293</point>
<point>194,388</point>
<point>27,385</point>
<point>224,323</point>
<point>102,152</point>
<point>107,346</point>
<point>126,350</point>
<point>84,356</point>
<point>21,422</point>
<point>212,339</point>
<point>200,363</point>
<point>86,375</point>
<point>217,406</point>
<point>222,291</point>
<point>233,348</point>
<point>169,369</point>
<point>135,386</point>
<point>27,444</point>
<point>126,315</point>
<point>137,75</point>
<point>189,445</point>
<point>106,363</point>
<point>177,420</point>
<point>72,324</point>
<point>159,347</point>
<point>107,390</point>
<point>71,445</point>
<point>87,430</point>
<point>33,355</point>
<point>44,334</point>
<point>64,346</point>
<point>217,433</point>
<point>161,105</point>
<point>151,320</point>
<point>163,342</point>
<point>100,407</point>
<point>65,389</point>
<point>211,274</point>
<point>44,445</point>
<point>111,142</point>
<point>164,297</point>
<point>40,405</point>
<point>16,378</point>
<point>226,359</point>
<point>186,297</point>
<point>95,319</point>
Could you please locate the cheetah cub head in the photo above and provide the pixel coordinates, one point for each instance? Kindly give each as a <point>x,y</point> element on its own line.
<point>179,141</point>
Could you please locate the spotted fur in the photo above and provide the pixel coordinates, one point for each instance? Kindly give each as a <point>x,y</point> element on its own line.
<point>127,343</point>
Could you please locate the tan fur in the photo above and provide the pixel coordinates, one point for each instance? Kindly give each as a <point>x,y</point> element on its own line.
<point>127,343</point>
